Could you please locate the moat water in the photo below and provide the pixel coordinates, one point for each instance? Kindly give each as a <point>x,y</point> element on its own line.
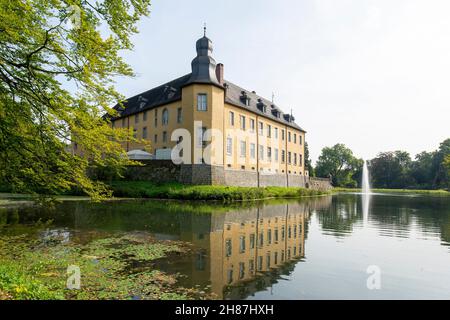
<point>331,247</point>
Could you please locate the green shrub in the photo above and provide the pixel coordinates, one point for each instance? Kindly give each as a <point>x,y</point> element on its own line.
<point>145,189</point>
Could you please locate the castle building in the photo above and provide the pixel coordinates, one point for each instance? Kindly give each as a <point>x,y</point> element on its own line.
<point>243,133</point>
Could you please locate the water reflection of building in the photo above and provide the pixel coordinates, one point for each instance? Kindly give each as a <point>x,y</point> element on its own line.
<point>242,245</point>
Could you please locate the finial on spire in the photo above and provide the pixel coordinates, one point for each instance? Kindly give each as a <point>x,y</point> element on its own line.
<point>204,29</point>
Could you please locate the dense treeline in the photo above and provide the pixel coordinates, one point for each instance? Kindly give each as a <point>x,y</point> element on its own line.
<point>393,169</point>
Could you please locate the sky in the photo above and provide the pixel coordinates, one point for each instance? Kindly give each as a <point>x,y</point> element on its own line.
<point>372,74</point>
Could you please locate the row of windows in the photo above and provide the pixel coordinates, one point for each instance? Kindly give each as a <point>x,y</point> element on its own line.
<point>281,256</point>
<point>292,233</point>
<point>292,157</point>
<point>165,117</point>
<point>155,137</point>
<point>202,105</point>
<point>243,123</point>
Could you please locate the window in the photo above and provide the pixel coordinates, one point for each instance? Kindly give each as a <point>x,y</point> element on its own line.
<point>165,117</point>
<point>123,123</point>
<point>200,134</point>
<point>156,118</point>
<point>113,124</point>
<point>179,115</point>
<point>289,136</point>
<point>282,233</point>
<point>260,263</point>
<point>269,130</point>
<point>261,128</point>
<point>243,149</point>
<point>231,118</point>
<point>230,276</point>
<point>252,150</point>
<point>251,265</point>
<point>269,153</point>
<point>267,261</point>
<point>242,244</point>
<point>200,261</point>
<point>252,125</point>
<point>261,239</point>
<point>300,160</point>
<point>283,156</point>
<point>275,133</point>
<point>276,235</point>
<point>275,258</point>
<point>134,133</point>
<point>276,155</point>
<point>164,136</point>
<point>252,241</point>
<point>282,134</point>
<point>242,122</point>
<point>228,248</point>
<point>295,158</point>
<point>202,104</point>
<point>295,138</point>
<point>156,138</point>
<point>144,133</point>
<point>289,157</point>
<point>136,118</point>
<point>269,236</point>
<point>300,138</point>
<point>261,152</point>
<point>144,116</point>
<point>229,145</point>
<point>241,270</point>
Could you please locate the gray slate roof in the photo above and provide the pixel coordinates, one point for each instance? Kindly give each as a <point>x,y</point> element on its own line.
<point>171,92</point>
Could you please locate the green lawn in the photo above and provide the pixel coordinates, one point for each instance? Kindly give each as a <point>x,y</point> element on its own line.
<point>409,191</point>
<point>145,189</point>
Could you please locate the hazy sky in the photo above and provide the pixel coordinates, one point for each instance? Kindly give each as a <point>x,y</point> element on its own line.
<point>372,74</point>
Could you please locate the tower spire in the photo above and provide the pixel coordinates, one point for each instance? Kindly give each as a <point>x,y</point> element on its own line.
<point>204,29</point>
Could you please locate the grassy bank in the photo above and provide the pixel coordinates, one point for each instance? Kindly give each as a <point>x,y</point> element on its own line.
<point>145,189</point>
<point>404,191</point>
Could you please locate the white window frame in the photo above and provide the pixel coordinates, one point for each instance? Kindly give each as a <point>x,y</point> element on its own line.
<point>202,102</point>
<point>243,149</point>
<point>229,145</point>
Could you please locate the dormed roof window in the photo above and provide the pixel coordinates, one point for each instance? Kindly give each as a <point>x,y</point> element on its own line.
<point>261,106</point>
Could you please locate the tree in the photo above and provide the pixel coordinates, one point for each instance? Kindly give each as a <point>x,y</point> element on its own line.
<point>421,169</point>
<point>308,165</point>
<point>441,177</point>
<point>391,170</point>
<point>58,60</point>
<point>339,162</point>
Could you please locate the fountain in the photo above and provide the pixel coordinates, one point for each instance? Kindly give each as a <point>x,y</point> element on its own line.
<point>365,179</point>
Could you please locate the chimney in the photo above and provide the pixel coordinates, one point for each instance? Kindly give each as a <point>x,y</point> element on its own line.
<point>219,73</point>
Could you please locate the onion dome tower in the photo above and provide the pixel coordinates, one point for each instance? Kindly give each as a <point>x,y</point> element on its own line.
<point>204,65</point>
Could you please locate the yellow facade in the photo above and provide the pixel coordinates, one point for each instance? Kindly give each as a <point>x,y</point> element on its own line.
<point>254,156</point>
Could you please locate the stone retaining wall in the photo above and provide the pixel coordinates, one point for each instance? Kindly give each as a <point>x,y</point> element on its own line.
<point>162,171</point>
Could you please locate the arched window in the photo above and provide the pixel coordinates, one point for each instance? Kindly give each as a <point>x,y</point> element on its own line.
<point>165,117</point>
